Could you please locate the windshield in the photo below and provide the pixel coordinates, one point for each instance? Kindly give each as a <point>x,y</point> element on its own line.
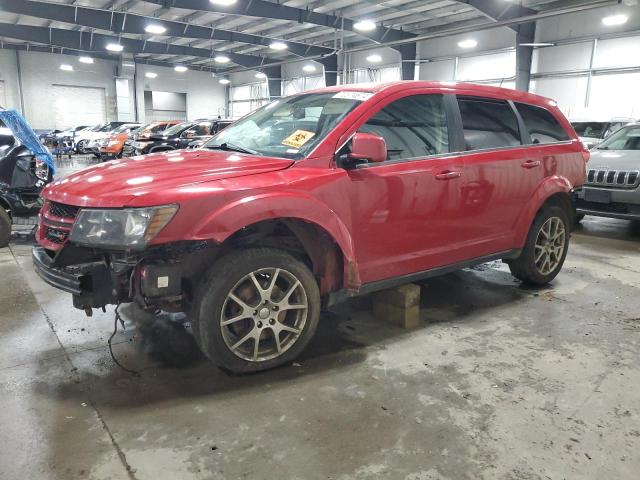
<point>290,127</point>
<point>590,129</point>
<point>627,138</point>
<point>177,128</point>
<point>124,128</point>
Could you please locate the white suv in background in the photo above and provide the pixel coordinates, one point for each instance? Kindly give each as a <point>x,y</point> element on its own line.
<point>592,132</point>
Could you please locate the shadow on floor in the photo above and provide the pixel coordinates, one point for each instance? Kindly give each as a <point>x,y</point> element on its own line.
<point>180,371</point>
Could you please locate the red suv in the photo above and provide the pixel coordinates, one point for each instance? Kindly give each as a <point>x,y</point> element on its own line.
<point>313,198</point>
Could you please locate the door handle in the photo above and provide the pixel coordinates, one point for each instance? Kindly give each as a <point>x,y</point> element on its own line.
<point>448,175</point>
<point>531,164</point>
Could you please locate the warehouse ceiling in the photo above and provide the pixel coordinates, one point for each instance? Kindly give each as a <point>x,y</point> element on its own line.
<point>244,31</point>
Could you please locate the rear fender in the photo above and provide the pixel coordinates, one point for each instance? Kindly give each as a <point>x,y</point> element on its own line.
<point>220,224</point>
<point>551,186</point>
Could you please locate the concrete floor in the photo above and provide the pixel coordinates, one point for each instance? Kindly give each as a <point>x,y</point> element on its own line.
<point>502,383</point>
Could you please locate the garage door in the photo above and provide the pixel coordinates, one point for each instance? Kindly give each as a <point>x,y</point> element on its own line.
<point>78,105</point>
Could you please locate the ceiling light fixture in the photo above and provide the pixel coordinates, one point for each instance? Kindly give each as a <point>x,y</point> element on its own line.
<point>309,68</point>
<point>85,59</point>
<point>537,44</point>
<point>223,3</point>
<point>614,20</point>
<point>180,68</point>
<point>374,58</point>
<point>278,46</point>
<point>114,47</point>
<point>224,81</point>
<point>151,74</point>
<point>221,59</point>
<point>364,25</point>
<point>155,29</point>
<point>261,75</point>
<point>66,68</point>
<point>468,43</point>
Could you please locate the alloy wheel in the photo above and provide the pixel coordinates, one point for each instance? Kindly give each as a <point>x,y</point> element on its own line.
<point>549,246</point>
<point>264,314</point>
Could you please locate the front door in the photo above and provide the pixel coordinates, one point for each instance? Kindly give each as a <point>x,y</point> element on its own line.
<point>405,211</point>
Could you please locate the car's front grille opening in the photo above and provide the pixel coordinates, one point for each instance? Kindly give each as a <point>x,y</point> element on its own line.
<point>55,235</point>
<point>62,210</point>
<point>612,178</point>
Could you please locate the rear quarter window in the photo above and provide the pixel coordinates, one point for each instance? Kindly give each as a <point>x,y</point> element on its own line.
<point>542,125</point>
<point>488,124</point>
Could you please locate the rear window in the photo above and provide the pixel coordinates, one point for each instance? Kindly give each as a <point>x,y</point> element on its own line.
<point>488,124</point>
<point>542,125</point>
<point>590,129</point>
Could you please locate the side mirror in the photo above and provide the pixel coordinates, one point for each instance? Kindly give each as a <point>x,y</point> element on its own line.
<point>365,148</point>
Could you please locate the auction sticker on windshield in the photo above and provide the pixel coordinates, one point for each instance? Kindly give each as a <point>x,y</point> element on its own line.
<point>298,138</point>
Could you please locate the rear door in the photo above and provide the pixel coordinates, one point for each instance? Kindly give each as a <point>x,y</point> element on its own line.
<point>500,173</point>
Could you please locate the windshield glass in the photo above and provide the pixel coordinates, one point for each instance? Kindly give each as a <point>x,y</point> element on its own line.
<point>627,138</point>
<point>290,127</point>
<point>590,129</point>
<point>124,128</point>
<point>177,128</point>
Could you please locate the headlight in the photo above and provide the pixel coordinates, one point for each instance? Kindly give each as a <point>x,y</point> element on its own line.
<point>130,228</point>
<point>139,145</point>
<point>113,142</point>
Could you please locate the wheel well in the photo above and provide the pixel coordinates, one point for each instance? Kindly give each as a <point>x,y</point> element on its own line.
<point>562,200</point>
<point>306,241</point>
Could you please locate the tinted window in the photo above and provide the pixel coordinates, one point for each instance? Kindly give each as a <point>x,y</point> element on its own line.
<point>413,127</point>
<point>488,124</point>
<point>542,125</point>
<point>625,139</point>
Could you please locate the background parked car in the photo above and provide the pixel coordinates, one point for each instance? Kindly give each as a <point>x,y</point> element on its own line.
<point>592,132</point>
<point>612,186</point>
<point>22,173</point>
<point>144,133</point>
<point>112,145</point>
<point>180,136</point>
<point>94,145</point>
<point>84,138</point>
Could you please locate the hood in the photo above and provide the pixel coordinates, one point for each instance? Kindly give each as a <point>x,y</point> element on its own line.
<point>158,136</point>
<point>614,160</point>
<point>114,183</point>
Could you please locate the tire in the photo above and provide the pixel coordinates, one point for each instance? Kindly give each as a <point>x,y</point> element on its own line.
<point>578,218</point>
<point>5,228</point>
<point>262,314</point>
<point>525,267</point>
<point>80,147</point>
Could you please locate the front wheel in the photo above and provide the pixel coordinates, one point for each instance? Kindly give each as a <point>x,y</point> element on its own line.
<point>546,248</point>
<point>255,310</point>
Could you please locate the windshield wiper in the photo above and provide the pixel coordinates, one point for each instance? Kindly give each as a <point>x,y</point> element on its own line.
<point>230,147</point>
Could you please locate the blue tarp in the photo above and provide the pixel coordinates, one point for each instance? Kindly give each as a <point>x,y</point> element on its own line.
<point>25,134</point>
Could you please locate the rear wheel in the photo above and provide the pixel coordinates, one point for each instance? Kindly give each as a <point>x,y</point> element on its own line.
<point>546,248</point>
<point>257,309</point>
<point>5,228</point>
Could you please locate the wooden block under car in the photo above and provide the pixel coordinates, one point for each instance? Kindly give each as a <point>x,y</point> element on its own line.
<point>399,305</point>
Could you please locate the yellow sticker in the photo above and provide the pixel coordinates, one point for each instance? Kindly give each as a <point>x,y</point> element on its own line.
<point>298,138</point>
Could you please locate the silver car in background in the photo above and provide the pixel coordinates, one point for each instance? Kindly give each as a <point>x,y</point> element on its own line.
<point>611,188</point>
<point>592,132</point>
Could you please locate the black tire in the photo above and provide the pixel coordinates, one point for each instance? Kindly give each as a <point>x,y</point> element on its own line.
<point>227,276</point>
<point>578,218</point>
<point>5,227</point>
<point>524,267</point>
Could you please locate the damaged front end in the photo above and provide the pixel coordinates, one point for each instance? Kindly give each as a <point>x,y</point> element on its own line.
<point>160,277</point>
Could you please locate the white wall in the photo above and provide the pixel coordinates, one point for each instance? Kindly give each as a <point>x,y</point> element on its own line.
<point>205,96</point>
<point>9,77</point>
<point>41,71</point>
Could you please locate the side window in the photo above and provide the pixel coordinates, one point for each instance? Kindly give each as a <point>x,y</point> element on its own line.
<point>542,125</point>
<point>413,127</point>
<point>488,123</point>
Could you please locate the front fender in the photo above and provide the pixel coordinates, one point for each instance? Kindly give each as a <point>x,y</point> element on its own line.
<point>220,224</point>
<point>551,186</point>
